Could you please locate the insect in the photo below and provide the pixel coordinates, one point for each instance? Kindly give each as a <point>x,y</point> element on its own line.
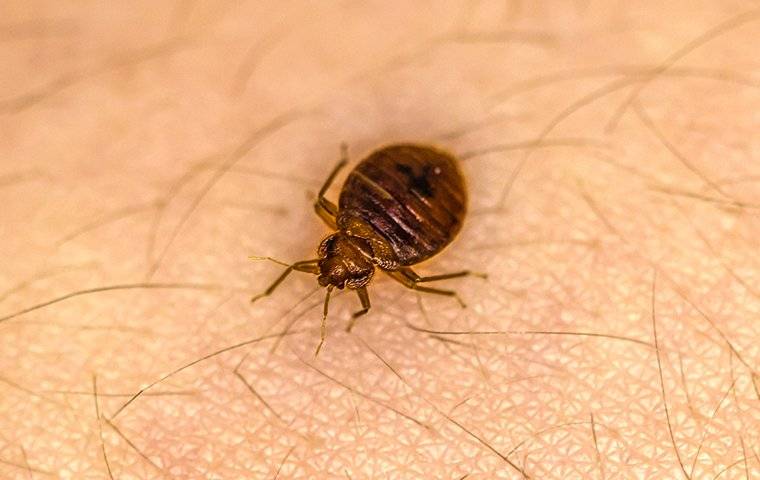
<point>399,206</point>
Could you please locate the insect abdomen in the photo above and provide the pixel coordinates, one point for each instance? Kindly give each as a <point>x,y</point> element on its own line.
<point>413,196</point>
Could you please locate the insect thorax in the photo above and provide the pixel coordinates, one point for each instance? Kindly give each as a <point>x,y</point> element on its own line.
<point>347,258</point>
<point>342,262</point>
<point>380,250</point>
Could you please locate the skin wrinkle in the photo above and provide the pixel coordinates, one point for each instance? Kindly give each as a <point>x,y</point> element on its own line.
<point>252,60</point>
<point>251,140</point>
<point>213,162</point>
<point>448,416</point>
<point>680,291</point>
<point>35,29</point>
<point>647,121</point>
<point>612,70</point>
<point>662,380</point>
<point>724,27</point>
<point>253,391</point>
<point>100,426</point>
<point>109,288</point>
<point>549,373</point>
<point>638,86</point>
<point>10,179</point>
<point>135,448</point>
<point>596,447</point>
<point>429,46</point>
<point>40,276</point>
<point>18,103</point>
<point>113,216</point>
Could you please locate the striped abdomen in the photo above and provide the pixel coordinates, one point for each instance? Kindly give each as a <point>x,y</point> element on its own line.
<point>412,196</point>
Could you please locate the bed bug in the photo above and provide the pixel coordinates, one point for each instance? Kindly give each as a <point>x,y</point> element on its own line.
<point>401,205</point>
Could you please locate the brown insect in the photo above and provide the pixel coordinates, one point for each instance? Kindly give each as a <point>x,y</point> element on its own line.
<point>399,206</point>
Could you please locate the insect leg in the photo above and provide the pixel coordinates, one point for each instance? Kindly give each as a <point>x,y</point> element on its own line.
<point>408,278</point>
<point>327,210</point>
<point>364,298</point>
<point>445,276</point>
<point>308,266</point>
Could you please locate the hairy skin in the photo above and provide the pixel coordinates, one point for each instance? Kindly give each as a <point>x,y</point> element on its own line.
<point>147,151</point>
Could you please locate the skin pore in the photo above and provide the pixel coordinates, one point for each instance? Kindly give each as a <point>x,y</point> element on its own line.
<point>148,149</point>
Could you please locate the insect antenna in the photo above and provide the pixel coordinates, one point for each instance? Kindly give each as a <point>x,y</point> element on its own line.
<point>270,259</point>
<point>307,266</point>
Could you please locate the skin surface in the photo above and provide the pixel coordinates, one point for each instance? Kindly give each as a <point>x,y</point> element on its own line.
<point>157,145</point>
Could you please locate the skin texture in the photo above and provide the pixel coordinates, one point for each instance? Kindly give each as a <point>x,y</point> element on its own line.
<point>163,143</point>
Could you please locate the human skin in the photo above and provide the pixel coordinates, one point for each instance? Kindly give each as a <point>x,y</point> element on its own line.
<point>154,147</point>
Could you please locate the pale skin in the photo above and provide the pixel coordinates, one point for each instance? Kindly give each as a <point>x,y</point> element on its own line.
<point>148,151</point>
